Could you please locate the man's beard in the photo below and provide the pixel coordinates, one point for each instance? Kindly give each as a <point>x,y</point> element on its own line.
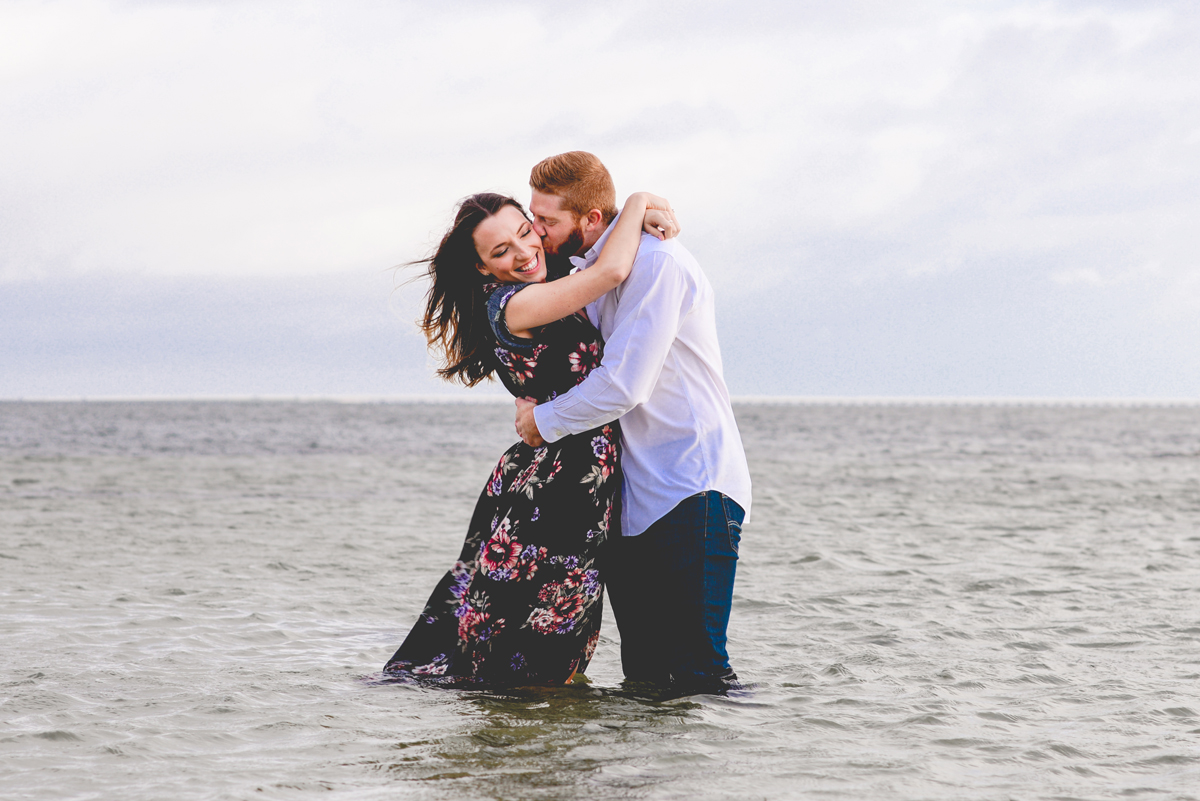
<point>573,246</point>
<point>558,263</point>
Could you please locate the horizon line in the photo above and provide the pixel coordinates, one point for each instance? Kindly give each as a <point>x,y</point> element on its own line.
<point>745,400</point>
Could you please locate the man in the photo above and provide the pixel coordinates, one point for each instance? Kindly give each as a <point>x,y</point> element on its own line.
<point>686,485</point>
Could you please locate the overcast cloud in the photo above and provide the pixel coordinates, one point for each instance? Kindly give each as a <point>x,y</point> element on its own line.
<point>928,198</point>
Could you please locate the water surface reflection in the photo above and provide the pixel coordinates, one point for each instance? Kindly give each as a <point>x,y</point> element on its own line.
<point>569,742</point>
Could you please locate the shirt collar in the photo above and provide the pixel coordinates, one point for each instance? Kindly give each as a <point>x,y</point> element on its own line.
<point>593,253</point>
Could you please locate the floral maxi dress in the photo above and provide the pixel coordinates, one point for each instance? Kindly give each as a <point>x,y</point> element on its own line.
<point>522,604</point>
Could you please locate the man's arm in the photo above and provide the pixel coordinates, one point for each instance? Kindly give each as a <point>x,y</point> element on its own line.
<point>654,301</point>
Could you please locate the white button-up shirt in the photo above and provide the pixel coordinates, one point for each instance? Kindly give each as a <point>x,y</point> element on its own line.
<point>661,374</point>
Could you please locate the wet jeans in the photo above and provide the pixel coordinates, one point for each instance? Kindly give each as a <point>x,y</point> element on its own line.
<point>671,588</point>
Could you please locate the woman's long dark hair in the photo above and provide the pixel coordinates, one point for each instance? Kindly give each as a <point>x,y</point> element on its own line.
<point>455,321</point>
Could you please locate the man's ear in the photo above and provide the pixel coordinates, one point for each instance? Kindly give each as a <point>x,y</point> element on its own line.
<point>592,219</point>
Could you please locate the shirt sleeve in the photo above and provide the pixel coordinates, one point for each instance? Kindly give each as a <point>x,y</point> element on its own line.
<point>651,308</point>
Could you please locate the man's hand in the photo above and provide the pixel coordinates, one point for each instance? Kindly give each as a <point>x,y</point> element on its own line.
<point>526,423</point>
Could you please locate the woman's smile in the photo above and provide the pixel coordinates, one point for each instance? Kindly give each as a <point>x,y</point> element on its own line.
<point>508,248</point>
<point>531,266</point>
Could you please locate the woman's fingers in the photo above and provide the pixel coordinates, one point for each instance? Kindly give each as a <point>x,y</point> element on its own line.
<point>661,224</point>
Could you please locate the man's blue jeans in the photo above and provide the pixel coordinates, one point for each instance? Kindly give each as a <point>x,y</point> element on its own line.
<point>671,588</point>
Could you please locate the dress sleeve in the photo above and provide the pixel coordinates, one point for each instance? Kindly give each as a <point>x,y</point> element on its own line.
<point>497,301</point>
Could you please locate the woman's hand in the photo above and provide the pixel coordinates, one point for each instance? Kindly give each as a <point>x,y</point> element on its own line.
<point>661,224</point>
<point>658,218</point>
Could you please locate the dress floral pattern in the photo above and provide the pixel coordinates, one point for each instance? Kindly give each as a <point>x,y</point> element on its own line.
<point>522,604</point>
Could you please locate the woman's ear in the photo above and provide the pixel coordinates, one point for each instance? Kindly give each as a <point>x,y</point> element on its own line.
<point>482,270</point>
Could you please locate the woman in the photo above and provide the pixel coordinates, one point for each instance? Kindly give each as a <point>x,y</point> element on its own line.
<point>522,604</point>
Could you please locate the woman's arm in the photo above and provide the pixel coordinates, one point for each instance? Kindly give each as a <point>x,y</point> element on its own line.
<point>544,303</point>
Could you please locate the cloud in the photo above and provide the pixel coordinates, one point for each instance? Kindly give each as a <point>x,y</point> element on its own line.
<point>196,137</point>
<point>937,145</point>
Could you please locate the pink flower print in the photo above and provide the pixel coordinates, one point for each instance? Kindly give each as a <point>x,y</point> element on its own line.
<point>605,451</point>
<point>478,626</point>
<point>574,578</point>
<point>523,566</point>
<point>563,601</point>
<point>496,484</point>
<point>543,621</point>
<point>489,628</point>
<point>528,564</point>
<point>435,668</point>
<point>504,357</point>
<point>521,367</point>
<point>525,570</point>
<point>475,623</point>
<point>584,358</point>
<point>562,605</point>
<point>501,552</point>
<point>468,621</point>
<point>528,481</point>
<point>567,607</point>
<point>539,456</point>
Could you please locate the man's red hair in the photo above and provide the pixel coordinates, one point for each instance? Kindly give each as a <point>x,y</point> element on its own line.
<point>580,180</point>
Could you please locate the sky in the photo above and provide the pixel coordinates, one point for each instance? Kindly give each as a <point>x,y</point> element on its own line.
<point>930,198</point>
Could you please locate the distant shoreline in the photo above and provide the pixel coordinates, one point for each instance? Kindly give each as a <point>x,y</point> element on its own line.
<point>738,400</point>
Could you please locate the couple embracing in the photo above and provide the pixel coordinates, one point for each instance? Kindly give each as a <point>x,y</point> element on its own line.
<point>630,475</point>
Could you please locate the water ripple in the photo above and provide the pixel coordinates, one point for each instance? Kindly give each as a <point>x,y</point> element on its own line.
<point>932,603</point>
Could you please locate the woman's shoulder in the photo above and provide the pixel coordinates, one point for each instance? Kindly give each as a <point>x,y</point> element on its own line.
<point>498,296</point>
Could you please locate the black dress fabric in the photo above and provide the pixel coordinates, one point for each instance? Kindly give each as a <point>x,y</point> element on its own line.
<point>522,604</point>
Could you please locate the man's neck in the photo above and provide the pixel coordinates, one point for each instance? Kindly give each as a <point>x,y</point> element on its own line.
<point>591,238</point>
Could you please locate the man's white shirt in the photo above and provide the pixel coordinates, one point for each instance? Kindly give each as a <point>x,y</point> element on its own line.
<point>661,375</point>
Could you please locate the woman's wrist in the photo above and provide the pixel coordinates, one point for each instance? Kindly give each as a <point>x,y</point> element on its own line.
<point>638,202</point>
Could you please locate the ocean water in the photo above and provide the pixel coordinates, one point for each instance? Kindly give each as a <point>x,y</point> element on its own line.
<point>973,601</point>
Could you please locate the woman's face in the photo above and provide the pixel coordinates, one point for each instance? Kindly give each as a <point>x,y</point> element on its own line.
<point>508,248</point>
